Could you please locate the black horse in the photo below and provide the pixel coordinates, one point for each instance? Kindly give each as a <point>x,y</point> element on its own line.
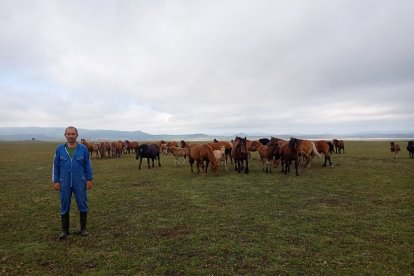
<point>148,151</point>
<point>264,141</point>
<point>410,148</point>
<point>240,154</point>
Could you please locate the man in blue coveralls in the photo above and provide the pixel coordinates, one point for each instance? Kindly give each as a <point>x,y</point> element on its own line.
<point>72,173</point>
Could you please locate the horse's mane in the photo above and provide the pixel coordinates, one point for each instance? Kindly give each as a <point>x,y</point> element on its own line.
<point>293,142</point>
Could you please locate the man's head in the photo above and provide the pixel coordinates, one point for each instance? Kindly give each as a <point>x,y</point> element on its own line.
<point>71,134</point>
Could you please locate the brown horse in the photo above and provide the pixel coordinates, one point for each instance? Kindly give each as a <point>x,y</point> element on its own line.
<point>88,145</point>
<point>395,149</point>
<point>130,146</point>
<point>105,149</point>
<point>290,152</point>
<point>201,153</point>
<point>325,148</point>
<point>277,144</point>
<point>117,148</point>
<point>266,153</point>
<point>240,154</point>
<point>339,145</point>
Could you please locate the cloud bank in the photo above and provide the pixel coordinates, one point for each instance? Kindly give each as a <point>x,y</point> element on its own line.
<point>217,67</point>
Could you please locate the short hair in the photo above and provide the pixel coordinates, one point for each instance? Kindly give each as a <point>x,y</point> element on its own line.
<point>72,127</point>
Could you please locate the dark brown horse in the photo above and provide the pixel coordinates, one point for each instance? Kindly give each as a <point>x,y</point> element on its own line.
<point>410,148</point>
<point>240,154</point>
<point>395,149</point>
<point>339,145</point>
<point>290,152</point>
<point>149,151</point>
<point>276,144</point>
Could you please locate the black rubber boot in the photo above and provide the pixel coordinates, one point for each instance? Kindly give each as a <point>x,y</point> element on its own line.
<point>65,226</point>
<point>83,219</point>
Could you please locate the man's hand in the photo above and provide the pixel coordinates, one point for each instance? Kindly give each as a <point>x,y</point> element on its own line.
<point>56,185</point>
<point>88,184</point>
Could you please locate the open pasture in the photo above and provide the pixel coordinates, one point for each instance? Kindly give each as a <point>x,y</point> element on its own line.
<point>354,218</point>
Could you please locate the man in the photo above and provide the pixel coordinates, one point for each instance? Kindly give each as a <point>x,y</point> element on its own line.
<point>72,173</point>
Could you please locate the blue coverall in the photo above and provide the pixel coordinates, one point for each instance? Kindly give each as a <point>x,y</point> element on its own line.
<point>72,175</point>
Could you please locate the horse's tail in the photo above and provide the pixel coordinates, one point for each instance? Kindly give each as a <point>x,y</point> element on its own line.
<point>331,147</point>
<point>315,151</point>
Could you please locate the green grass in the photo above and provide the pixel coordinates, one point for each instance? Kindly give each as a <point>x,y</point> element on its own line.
<point>355,218</point>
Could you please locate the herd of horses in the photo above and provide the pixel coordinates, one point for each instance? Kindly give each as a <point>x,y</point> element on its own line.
<point>272,152</point>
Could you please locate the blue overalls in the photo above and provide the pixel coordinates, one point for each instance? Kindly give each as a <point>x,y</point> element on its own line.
<point>72,175</point>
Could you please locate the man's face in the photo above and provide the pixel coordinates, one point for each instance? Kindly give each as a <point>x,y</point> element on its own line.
<point>71,135</point>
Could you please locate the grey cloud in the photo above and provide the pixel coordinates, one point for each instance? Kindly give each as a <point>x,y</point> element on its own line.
<point>268,65</point>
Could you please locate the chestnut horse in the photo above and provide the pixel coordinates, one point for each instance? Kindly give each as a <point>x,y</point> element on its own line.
<point>88,145</point>
<point>240,154</point>
<point>325,148</point>
<point>266,153</point>
<point>290,152</point>
<point>307,148</point>
<point>201,153</point>
<point>130,146</point>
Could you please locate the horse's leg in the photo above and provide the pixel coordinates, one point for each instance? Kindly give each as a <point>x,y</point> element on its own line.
<point>330,162</point>
<point>198,166</point>
<point>148,161</point>
<point>326,159</point>
<point>140,162</point>
<point>246,169</point>
<point>191,161</point>
<point>206,169</point>
<point>296,166</point>
<point>159,161</point>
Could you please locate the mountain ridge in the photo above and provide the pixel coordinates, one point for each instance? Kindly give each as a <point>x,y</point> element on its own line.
<point>57,134</point>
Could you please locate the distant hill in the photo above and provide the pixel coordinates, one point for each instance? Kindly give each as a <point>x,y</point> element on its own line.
<point>56,134</point>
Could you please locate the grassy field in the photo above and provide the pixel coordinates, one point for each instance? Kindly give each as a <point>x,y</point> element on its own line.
<point>355,218</point>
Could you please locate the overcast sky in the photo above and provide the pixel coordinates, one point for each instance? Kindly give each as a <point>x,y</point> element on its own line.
<point>214,67</point>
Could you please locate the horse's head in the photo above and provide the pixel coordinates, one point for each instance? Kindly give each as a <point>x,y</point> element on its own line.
<point>183,144</point>
<point>140,150</point>
<point>241,147</point>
